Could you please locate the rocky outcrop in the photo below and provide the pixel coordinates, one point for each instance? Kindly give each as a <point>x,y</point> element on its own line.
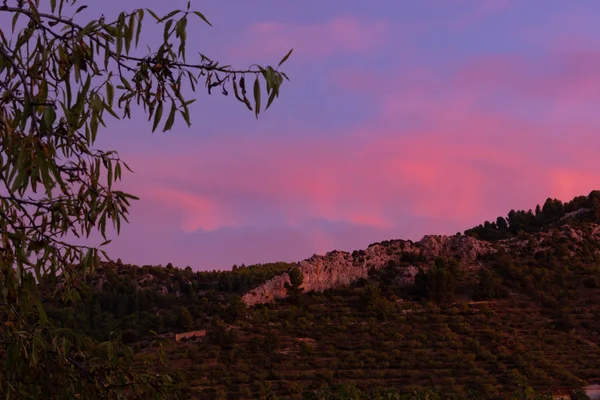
<point>406,276</point>
<point>268,291</point>
<point>574,214</point>
<point>451,246</point>
<point>340,268</point>
<point>190,335</point>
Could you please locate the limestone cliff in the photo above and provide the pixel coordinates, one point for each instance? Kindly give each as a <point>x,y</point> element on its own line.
<point>340,268</point>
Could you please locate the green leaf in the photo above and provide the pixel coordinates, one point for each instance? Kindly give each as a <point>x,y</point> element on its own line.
<point>94,126</point>
<point>110,93</point>
<point>129,196</point>
<point>186,116</point>
<point>109,173</point>
<point>49,116</point>
<point>107,55</point>
<point>256,97</point>
<point>14,20</point>
<point>170,119</point>
<point>110,110</point>
<point>284,59</point>
<point>87,29</point>
<point>202,17</point>
<point>157,116</point>
<point>119,36</point>
<point>271,98</point>
<point>153,14</point>
<point>42,313</point>
<point>33,10</point>
<point>127,166</point>
<point>23,38</point>
<point>129,34</point>
<point>139,27</point>
<point>167,28</point>
<point>111,30</point>
<point>19,181</point>
<point>27,108</point>
<point>180,28</point>
<point>235,90</point>
<point>247,103</point>
<point>43,167</point>
<point>117,171</point>
<point>169,15</point>
<point>121,21</point>
<point>126,83</point>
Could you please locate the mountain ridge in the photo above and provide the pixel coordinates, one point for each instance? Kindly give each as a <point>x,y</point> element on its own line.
<point>337,268</point>
<point>508,305</point>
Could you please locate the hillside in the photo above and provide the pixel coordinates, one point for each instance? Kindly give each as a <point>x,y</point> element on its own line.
<point>504,306</point>
<point>341,268</point>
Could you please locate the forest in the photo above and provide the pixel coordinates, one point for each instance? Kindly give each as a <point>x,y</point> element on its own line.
<point>549,215</point>
<point>520,323</point>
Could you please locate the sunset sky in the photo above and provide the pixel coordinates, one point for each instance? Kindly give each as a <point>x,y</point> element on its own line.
<point>402,118</point>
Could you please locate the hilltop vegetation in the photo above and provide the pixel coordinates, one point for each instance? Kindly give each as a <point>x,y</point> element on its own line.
<point>522,317</point>
<point>550,215</point>
<point>135,301</point>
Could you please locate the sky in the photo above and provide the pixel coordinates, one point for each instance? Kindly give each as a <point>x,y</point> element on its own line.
<point>402,118</point>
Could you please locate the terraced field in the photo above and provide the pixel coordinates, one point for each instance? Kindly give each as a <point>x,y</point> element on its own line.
<point>522,316</point>
<point>337,338</point>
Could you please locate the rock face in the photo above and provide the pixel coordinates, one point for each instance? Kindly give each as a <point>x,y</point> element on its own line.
<point>190,335</point>
<point>464,246</point>
<point>340,268</point>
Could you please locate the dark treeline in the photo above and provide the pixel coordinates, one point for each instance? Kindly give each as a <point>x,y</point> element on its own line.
<point>135,301</point>
<point>544,217</point>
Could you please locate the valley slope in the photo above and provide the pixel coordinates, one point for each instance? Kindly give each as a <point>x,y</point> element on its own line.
<point>509,304</point>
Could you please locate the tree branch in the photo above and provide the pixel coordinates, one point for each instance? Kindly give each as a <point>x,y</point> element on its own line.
<point>74,25</point>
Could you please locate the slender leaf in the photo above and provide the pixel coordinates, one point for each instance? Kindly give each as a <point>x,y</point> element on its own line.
<point>171,118</point>
<point>157,115</point>
<point>256,96</point>
<point>284,59</point>
<point>202,17</point>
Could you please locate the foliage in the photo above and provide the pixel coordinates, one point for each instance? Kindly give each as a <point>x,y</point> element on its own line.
<point>438,283</point>
<point>61,81</point>
<point>294,288</point>
<point>519,323</point>
<point>132,301</point>
<point>551,214</point>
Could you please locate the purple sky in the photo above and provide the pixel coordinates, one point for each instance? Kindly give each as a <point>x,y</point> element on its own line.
<point>401,118</point>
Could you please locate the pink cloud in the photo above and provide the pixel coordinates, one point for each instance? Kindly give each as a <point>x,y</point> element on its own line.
<point>563,28</point>
<point>463,162</point>
<point>340,35</point>
<point>568,181</point>
<point>479,10</point>
<point>448,146</point>
<point>194,211</point>
<point>564,79</point>
<point>558,85</point>
<point>500,132</point>
<point>377,179</point>
<point>372,180</point>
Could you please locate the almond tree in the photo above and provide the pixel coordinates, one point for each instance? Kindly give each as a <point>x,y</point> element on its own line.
<point>61,80</point>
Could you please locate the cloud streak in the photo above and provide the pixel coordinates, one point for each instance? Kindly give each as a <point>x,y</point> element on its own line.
<point>461,131</point>
<point>338,36</point>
